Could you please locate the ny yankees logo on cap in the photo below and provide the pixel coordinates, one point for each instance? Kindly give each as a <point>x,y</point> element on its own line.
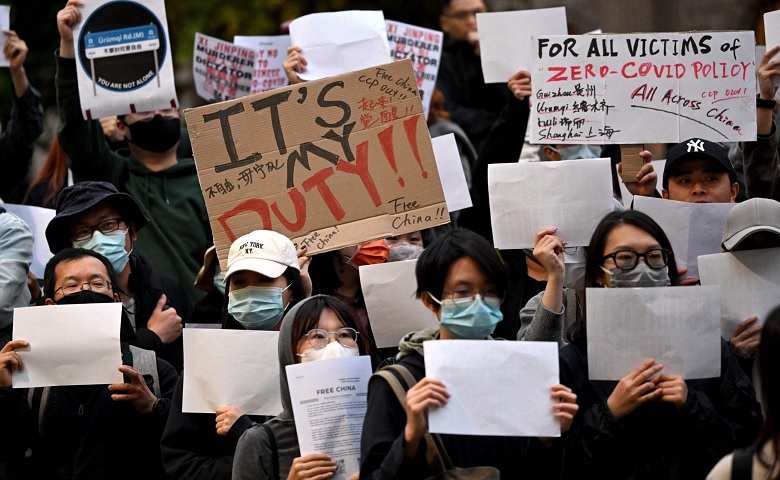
<point>695,144</point>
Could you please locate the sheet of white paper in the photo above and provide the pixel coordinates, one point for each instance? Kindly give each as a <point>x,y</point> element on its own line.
<point>509,397</point>
<point>69,345</point>
<point>123,68</point>
<point>772,36</point>
<point>329,404</point>
<point>658,166</point>
<point>209,355</point>
<point>203,325</point>
<point>505,39</point>
<point>572,196</point>
<point>37,219</point>
<point>453,179</point>
<point>5,24</point>
<point>221,70</point>
<point>749,283</point>
<point>679,327</point>
<point>423,47</point>
<point>271,51</point>
<point>340,42</point>
<point>389,292</point>
<point>693,228</point>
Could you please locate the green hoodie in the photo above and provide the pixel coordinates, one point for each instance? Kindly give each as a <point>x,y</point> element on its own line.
<point>178,232</point>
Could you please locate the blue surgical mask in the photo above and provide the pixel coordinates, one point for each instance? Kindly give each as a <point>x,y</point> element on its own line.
<point>111,245</point>
<point>257,308</point>
<point>640,276</point>
<point>470,318</point>
<point>576,152</point>
<point>219,282</point>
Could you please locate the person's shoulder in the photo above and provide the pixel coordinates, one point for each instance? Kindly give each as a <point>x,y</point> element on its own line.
<point>722,469</point>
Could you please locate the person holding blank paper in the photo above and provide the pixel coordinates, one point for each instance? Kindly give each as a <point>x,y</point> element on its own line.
<point>650,424</point>
<point>462,280</point>
<point>320,327</point>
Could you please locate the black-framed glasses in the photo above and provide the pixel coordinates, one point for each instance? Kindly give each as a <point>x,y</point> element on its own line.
<point>628,259</point>
<point>106,226</point>
<point>95,285</point>
<point>570,250</point>
<point>319,337</point>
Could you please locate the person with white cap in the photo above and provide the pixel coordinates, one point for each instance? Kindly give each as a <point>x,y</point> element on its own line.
<point>262,282</point>
<point>751,225</point>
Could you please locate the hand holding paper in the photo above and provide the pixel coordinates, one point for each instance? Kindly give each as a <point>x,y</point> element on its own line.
<point>10,361</point>
<point>635,389</point>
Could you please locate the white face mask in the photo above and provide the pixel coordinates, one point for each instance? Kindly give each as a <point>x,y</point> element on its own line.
<point>574,275</point>
<point>331,350</point>
<point>639,276</point>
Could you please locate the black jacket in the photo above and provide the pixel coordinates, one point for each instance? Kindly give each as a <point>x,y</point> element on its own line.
<point>657,441</point>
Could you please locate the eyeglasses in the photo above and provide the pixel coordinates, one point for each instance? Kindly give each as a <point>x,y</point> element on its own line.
<point>318,337</point>
<point>464,14</point>
<point>465,297</point>
<point>570,250</point>
<point>106,226</point>
<point>94,285</point>
<point>628,259</point>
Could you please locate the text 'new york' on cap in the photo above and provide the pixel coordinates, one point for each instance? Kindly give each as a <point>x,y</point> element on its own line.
<point>266,252</point>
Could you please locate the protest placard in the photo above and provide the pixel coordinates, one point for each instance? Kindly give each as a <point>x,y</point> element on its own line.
<point>221,70</point>
<point>37,219</point>
<point>5,24</point>
<point>643,88</point>
<point>772,35</point>
<point>270,52</point>
<point>328,163</point>
<point>123,57</point>
<point>423,47</point>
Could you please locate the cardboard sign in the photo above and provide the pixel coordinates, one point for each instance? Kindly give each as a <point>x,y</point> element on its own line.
<point>221,70</point>
<point>123,58</point>
<point>643,88</point>
<point>328,163</point>
<point>270,53</point>
<point>423,47</point>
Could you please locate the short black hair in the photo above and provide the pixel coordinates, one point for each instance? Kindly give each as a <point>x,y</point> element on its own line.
<point>435,262</point>
<point>70,254</point>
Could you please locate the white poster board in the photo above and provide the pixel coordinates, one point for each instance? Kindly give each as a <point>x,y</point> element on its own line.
<point>124,59</point>
<point>678,327</point>
<point>37,218</point>
<point>627,197</point>
<point>643,88</point>
<point>453,178</point>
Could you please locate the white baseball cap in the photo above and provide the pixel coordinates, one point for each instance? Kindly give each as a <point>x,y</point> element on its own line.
<point>263,251</point>
<point>751,216</point>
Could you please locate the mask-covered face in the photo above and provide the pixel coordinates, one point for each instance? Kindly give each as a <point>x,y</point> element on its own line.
<point>574,275</point>
<point>470,318</point>
<point>370,253</point>
<point>331,350</point>
<point>404,251</point>
<point>157,134</point>
<point>640,276</point>
<point>576,152</point>
<point>111,245</point>
<point>257,308</point>
<point>84,296</point>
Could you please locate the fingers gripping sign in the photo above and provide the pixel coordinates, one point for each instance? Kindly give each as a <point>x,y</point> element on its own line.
<point>314,466</point>
<point>746,337</point>
<point>136,392</point>
<point>427,393</point>
<point>10,361</point>
<point>635,389</point>
<point>227,416</point>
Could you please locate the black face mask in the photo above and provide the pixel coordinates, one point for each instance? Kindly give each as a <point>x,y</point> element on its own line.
<point>85,296</point>
<point>157,134</point>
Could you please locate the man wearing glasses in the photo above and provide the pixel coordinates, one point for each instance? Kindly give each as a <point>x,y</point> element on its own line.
<point>95,216</point>
<point>471,103</point>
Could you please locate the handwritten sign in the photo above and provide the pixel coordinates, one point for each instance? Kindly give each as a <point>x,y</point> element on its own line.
<point>222,70</point>
<point>643,88</point>
<point>423,47</point>
<point>270,52</point>
<point>328,163</point>
<point>123,57</point>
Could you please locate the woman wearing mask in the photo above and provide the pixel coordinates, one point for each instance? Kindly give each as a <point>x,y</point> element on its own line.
<point>462,280</point>
<point>319,327</point>
<point>650,424</point>
<point>263,281</point>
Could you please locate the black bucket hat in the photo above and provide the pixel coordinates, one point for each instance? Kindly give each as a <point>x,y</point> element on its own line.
<point>82,196</point>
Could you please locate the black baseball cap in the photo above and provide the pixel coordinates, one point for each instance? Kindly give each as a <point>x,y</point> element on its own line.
<point>695,148</point>
<point>82,196</point>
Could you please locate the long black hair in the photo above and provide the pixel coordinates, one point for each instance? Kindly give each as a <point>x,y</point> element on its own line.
<point>769,372</point>
<point>594,255</point>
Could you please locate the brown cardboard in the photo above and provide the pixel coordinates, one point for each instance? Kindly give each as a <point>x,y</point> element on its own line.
<point>631,162</point>
<point>369,172</point>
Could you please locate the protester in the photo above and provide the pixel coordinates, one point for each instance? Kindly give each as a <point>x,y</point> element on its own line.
<point>16,254</point>
<point>650,424</point>
<point>761,460</point>
<point>319,327</point>
<point>53,176</point>
<point>84,431</point>
<point>94,215</point>
<point>17,140</point>
<point>461,279</point>
<point>166,188</point>
<point>263,281</point>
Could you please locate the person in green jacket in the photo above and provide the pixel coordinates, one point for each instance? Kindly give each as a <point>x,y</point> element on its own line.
<point>166,187</point>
